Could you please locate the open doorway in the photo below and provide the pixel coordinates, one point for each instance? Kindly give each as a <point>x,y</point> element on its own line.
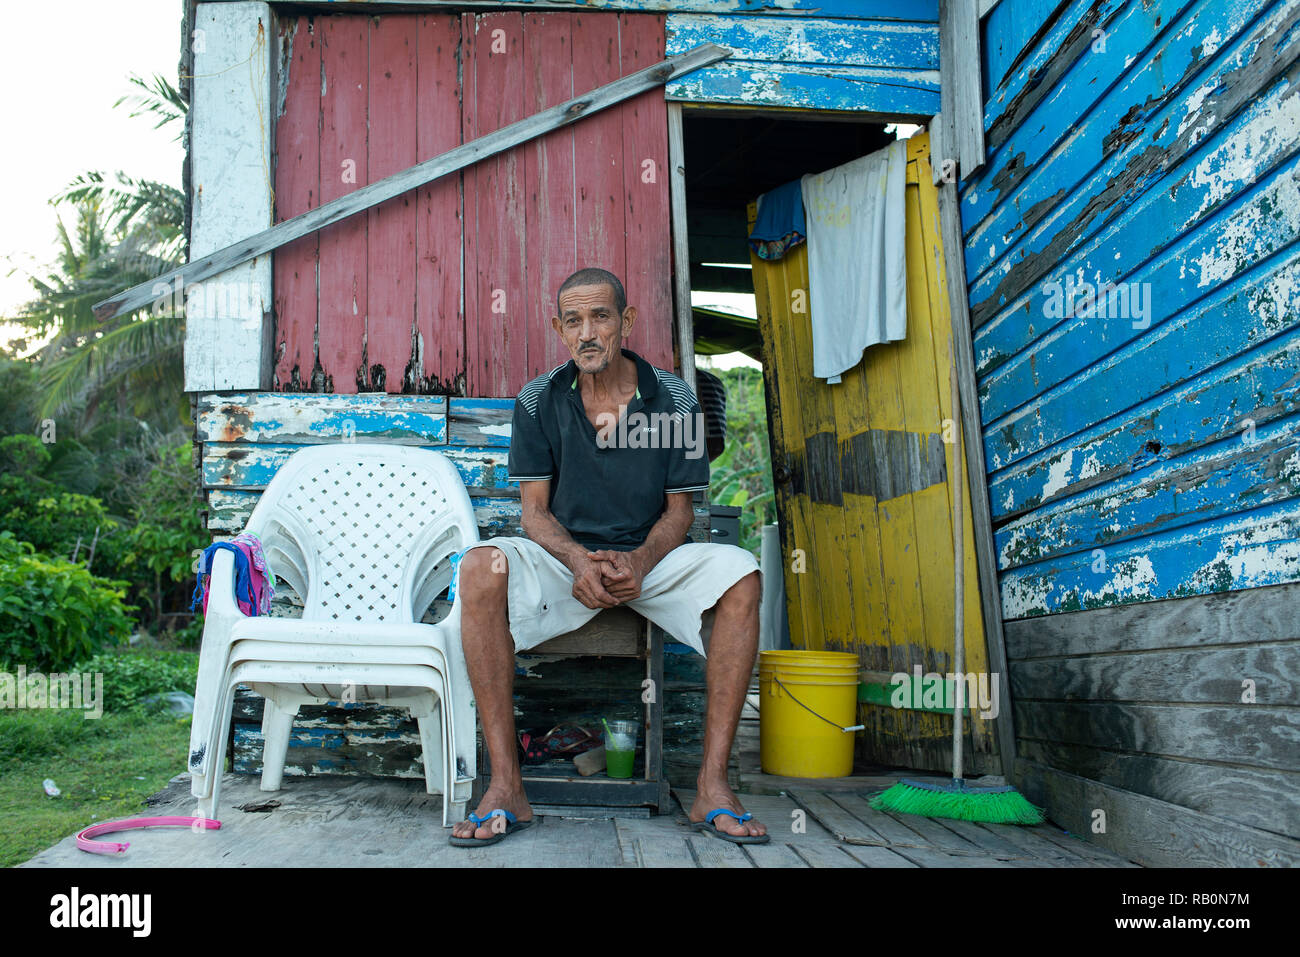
<point>860,469</point>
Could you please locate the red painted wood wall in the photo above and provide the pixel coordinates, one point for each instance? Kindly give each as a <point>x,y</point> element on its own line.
<point>450,288</point>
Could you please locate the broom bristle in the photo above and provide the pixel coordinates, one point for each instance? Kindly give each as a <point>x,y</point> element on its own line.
<point>1001,806</point>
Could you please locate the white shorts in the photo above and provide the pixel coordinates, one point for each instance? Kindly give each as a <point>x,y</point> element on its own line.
<point>678,594</point>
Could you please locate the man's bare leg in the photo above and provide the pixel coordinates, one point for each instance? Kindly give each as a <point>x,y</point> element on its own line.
<point>490,660</point>
<point>732,649</point>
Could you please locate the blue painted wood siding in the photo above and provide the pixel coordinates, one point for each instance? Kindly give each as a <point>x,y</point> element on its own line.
<point>244,438</point>
<point>858,58</point>
<point>1134,280</point>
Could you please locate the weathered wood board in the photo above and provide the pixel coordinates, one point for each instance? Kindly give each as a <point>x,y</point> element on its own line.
<point>448,289</point>
<point>1132,259</point>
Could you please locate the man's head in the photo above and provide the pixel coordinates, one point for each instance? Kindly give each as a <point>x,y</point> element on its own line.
<point>593,317</point>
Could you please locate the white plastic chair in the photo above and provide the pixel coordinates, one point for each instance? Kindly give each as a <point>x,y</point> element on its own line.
<point>364,533</point>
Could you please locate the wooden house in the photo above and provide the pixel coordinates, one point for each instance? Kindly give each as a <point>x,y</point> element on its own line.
<point>1132,498</point>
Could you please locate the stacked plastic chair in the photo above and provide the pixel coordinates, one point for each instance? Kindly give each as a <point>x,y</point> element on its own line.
<point>364,534</point>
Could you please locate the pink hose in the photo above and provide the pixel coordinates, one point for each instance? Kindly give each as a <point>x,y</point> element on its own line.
<point>85,843</point>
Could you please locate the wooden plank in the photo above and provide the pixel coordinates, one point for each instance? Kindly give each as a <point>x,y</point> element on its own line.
<point>888,94</point>
<point>1255,797</point>
<point>825,40</point>
<point>1244,550</point>
<point>876,856</point>
<point>713,852</point>
<point>599,206</point>
<point>229,511</point>
<point>784,428</point>
<point>1151,832</point>
<point>344,173</point>
<point>949,218</point>
<point>893,829</point>
<point>480,422</point>
<point>1228,251</point>
<point>1135,247</point>
<point>392,263</point>
<point>899,394</point>
<point>381,190</point>
<point>613,631</point>
<point>439,363</point>
<point>549,52</point>
<point>773,855</point>
<point>962,72</point>
<point>844,825</point>
<point>823,854</point>
<point>936,836</point>
<point>1084,854</point>
<point>1135,151</point>
<point>1036,66</point>
<point>1194,676</point>
<point>912,10</point>
<point>359,752</point>
<point>1008,32</point>
<point>987,841</point>
<point>1205,408</point>
<point>928,857</point>
<point>654,719</point>
<point>658,845</point>
<point>1260,735</point>
<point>297,177</point>
<point>1032,843</point>
<point>251,467</point>
<point>1118,414</point>
<point>681,251</point>
<point>227,338</point>
<point>270,418</point>
<point>495,241</point>
<point>1137,31</point>
<point>647,174</point>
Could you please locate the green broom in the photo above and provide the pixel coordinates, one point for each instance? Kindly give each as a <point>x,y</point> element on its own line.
<point>995,805</point>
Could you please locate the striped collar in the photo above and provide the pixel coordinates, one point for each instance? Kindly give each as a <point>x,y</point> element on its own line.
<point>647,378</point>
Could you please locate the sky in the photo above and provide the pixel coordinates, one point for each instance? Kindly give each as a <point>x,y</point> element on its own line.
<point>63,63</point>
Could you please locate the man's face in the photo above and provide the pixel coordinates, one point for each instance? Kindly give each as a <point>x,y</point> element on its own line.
<point>591,327</point>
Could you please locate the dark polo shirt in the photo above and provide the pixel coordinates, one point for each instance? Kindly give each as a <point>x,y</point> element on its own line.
<point>608,485</point>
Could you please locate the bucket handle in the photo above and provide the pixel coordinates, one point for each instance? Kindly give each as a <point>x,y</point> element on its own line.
<point>856,727</point>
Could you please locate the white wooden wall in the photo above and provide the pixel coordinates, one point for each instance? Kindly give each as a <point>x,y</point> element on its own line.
<point>228,328</point>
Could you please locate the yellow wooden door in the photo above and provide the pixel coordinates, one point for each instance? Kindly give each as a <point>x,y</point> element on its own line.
<point>863,491</point>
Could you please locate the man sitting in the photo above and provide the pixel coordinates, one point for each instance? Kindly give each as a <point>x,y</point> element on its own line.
<point>607,450</point>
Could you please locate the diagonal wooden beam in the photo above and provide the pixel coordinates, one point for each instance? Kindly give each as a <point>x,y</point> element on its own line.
<point>560,115</point>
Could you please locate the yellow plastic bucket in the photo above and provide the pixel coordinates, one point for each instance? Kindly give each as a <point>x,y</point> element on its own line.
<point>793,741</point>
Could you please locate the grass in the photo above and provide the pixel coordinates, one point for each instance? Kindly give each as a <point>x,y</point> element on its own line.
<point>105,767</point>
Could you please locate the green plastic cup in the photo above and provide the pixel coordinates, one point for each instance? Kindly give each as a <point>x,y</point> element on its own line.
<point>620,748</point>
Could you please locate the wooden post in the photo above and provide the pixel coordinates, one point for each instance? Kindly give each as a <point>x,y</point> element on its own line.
<point>228,327</point>
<point>681,248</point>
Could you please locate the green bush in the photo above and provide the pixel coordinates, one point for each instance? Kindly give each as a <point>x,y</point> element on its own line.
<point>163,545</point>
<point>742,474</point>
<point>130,677</point>
<point>53,612</point>
<point>53,519</point>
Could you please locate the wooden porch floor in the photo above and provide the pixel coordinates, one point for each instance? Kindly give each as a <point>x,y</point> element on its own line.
<point>350,822</point>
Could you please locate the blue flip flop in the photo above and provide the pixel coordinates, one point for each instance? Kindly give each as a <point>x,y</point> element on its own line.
<point>708,827</point>
<point>512,824</point>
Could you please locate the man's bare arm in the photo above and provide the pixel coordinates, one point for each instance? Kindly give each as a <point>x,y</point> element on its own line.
<point>540,525</point>
<point>668,532</point>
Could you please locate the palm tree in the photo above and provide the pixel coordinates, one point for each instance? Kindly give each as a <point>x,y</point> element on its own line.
<point>127,231</point>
